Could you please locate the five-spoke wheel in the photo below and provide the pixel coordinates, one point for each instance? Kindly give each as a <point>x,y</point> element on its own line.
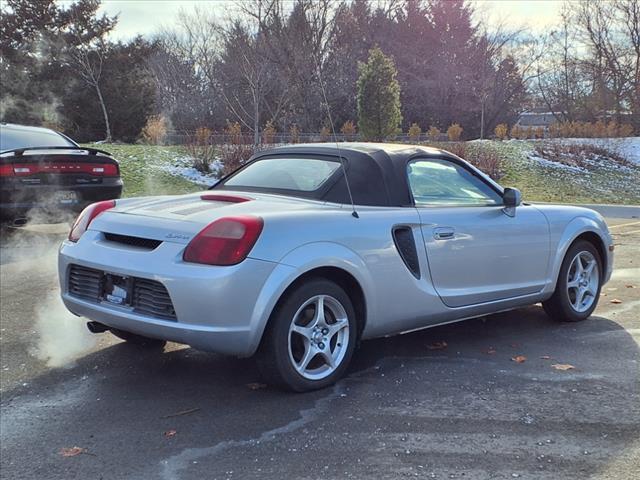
<point>310,338</point>
<point>578,286</point>
<point>318,337</point>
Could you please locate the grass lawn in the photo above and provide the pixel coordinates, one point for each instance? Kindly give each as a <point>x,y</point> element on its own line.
<point>141,167</point>
<point>143,172</point>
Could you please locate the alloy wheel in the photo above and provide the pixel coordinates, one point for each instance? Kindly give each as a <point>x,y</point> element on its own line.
<point>583,279</point>
<point>318,337</point>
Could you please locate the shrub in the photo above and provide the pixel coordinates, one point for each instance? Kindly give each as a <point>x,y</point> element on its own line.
<point>348,130</point>
<point>414,132</point>
<point>625,130</point>
<point>454,132</point>
<point>294,133</point>
<point>201,149</point>
<point>433,133</point>
<point>518,132</point>
<point>501,131</point>
<point>232,156</point>
<point>325,134</point>
<point>233,133</point>
<point>538,132</point>
<point>269,133</point>
<point>155,130</point>
<point>483,157</point>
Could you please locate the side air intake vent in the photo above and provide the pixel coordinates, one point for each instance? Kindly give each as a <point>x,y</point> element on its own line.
<point>406,245</point>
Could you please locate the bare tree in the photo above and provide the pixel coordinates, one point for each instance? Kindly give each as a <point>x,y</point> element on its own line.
<point>87,61</point>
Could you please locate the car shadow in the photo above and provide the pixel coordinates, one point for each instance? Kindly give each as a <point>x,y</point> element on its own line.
<point>137,411</point>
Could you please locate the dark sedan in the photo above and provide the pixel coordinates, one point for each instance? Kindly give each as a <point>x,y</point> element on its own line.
<point>44,171</point>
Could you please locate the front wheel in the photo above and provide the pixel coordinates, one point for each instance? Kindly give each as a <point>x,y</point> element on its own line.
<point>578,287</point>
<point>310,338</point>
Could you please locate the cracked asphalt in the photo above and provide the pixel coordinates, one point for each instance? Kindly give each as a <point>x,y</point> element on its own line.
<point>405,410</point>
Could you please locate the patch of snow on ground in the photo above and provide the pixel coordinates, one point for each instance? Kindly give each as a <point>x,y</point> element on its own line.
<point>548,163</point>
<point>628,148</point>
<point>183,167</point>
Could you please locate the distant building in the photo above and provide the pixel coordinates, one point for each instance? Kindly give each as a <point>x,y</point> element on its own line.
<point>536,119</point>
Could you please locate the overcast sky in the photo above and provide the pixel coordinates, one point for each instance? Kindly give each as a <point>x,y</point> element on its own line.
<point>144,17</point>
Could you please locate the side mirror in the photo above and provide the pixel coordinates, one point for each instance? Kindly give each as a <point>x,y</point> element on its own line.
<point>511,197</point>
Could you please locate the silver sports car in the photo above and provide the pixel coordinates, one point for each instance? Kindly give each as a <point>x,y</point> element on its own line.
<point>308,249</point>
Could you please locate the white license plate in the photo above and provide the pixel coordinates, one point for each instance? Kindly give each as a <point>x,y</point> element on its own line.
<point>65,196</point>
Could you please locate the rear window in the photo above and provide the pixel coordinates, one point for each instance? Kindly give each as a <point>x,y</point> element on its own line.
<point>285,173</point>
<point>12,138</point>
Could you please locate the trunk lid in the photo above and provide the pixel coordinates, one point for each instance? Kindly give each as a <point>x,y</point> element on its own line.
<point>179,218</point>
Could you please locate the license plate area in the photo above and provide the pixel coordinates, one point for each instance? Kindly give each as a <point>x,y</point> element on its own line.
<point>117,290</point>
<point>65,197</point>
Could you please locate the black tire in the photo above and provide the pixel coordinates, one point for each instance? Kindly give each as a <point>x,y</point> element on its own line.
<point>274,359</point>
<point>559,307</point>
<point>134,339</point>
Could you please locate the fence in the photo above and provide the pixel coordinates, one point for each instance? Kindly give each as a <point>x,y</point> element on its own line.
<point>175,137</point>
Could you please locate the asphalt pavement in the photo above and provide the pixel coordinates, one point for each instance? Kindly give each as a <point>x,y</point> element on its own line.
<point>448,402</point>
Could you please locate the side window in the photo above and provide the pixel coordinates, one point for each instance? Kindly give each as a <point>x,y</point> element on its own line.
<point>440,182</point>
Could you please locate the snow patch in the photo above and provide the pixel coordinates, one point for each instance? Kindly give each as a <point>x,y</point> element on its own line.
<point>183,167</point>
<point>628,147</point>
<point>548,163</point>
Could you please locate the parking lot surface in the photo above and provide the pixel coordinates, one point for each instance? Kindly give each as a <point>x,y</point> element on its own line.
<point>512,395</point>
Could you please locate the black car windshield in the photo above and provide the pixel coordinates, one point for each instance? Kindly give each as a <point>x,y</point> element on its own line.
<point>12,138</point>
<point>284,173</point>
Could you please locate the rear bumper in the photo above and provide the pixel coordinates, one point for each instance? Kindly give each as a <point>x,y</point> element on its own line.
<point>17,200</point>
<point>218,309</point>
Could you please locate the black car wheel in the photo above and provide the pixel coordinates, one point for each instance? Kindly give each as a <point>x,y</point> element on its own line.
<point>310,338</point>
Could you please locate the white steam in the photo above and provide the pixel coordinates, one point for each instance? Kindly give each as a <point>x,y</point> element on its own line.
<point>60,337</point>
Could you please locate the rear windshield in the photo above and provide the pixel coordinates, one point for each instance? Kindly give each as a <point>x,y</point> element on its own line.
<point>284,173</point>
<point>12,138</point>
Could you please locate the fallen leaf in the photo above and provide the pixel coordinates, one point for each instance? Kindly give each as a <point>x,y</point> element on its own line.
<point>562,366</point>
<point>612,289</point>
<point>490,351</point>
<point>183,412</point>
<point>519,359</point>
<point>437,346</point>
<point>630,286</point>
<point>545,357</point>
<point>616,301</point>
<point>170,433</point>
<point>71,452</point>
<point>256,386</point>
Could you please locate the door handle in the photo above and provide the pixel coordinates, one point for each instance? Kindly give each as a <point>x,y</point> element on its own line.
<point>443,233</point>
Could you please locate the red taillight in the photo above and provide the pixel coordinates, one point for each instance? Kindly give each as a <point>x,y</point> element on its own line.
<point>86,217</point>
<point>99,169</point>
<point>227,241</point>
<point>6,170</point>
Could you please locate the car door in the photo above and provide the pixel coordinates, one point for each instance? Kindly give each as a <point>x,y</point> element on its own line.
<point>477,252</point>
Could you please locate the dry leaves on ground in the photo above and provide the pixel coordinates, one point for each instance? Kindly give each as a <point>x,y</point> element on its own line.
<point>256,386</point>
<point>616,301</point>
<point>71,452</point>
<point>519,359</point>
<point>630,286</point>
<point>562,366</point>
<point>490,351</point>
<point>437,346</point>
<point>170,433</point>
<point>545,357</point>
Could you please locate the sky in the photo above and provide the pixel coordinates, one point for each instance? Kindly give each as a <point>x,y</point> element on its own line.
<point>144,17</point>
